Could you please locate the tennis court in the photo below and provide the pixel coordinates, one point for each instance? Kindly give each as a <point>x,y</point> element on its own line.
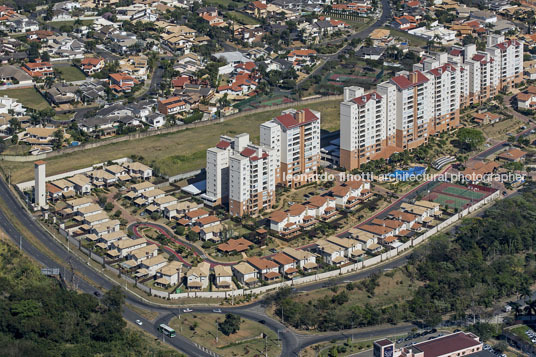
<point>446,200</point>
<point>464,192</point>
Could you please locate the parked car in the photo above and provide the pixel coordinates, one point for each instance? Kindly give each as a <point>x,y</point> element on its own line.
<point>139,322</point>
<point>187,310</point>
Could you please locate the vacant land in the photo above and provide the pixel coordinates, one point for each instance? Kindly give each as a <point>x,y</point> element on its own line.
<point>71,73</point>
<point>202,328</point>
<point>242,18</point>
<point>393,287</point>
<point>173,153</point>
<point>28,97</point>
<point>412,39</point>
<point>499,130</point>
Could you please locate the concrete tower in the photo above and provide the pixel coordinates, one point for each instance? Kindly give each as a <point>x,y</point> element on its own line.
<point>40,193</point>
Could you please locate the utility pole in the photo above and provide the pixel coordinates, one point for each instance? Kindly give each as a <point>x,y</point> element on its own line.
<point>265,345</point>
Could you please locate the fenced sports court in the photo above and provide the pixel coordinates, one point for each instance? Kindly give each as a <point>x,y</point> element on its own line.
<point>456,196</point>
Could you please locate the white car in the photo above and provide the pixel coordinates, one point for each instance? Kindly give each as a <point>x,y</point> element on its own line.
<point>217,311</point>
<point>139,322</point>
<point>187,310</point>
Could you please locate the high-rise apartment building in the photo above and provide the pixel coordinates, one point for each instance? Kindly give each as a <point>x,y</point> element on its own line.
<point>402,113</point>
<point>217,169</point>
<point>295,138</point>
<point>240,175</point>
<point>365,133</point>
<point>252,180</point>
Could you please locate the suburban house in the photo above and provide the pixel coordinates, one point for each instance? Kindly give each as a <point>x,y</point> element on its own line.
<point>306,261</point>
<point>246,274</point>
<point>101,177</point>
<point>148,251</point>
<point>110,238</point>
<point>77,203</point>
<point>322,206</point>
<point>169,275</point>
<point>180,209</point>
<point>512,155</point>
<point>106,227</point>
<point>150,266</point>
<point>223,276</point>
<point>197,278</point>
<point>138,170</point>
<point>351,193</point>
<point>235,245</point>
<point>352,248</point>
<point>486,118</point>
<point>172,106</point>
<point>331,253</point>
<point>38,69</point>
<point>122,82</point>
<point>81,184</point>
<point>212,233</point>
<point>287,265</point>
<point>125,246</point>
<point>91,65</point>
<point>266,269</point>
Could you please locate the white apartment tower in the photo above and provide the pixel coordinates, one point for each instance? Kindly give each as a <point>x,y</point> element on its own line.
<point>298,135</point>
<point>403,112</point>
<point>40,193</point>
<point>413,109</point>
<point>363,127</point>
<point>241,175</point>
<point>252,180</point>
<point>217,191</point>
<point>509,56</point>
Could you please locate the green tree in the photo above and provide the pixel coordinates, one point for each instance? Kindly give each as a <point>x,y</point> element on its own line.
<point>230,325</point>
<point>469,139</point>
<point>192,236</point>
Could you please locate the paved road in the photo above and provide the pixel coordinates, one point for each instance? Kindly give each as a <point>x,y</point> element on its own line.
<point>292,343</point>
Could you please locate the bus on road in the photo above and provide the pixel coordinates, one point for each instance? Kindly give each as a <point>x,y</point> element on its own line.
<point>168,331</point>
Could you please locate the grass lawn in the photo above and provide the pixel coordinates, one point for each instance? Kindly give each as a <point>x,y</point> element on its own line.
<point>28,97</point>
<point>202,328</point>
<point>63,116</point>
<point>20,149</point>
<point>172,153</point>
<point>224,3</point>
<point>519,331</point>
<point>390,290</point>
<point>413,40</point>
<point>58,24</point>
<point>242,18</point>
<point>71,73</point>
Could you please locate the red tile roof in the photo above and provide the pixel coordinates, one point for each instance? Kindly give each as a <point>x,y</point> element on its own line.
<point>290,120</point>
<point>362,100</point>
<point>223,144</point>
<point>261,263</point>
<point>247,152</point>
<point>92,61</point>
<point>439,71</point>
<point>413,79</point>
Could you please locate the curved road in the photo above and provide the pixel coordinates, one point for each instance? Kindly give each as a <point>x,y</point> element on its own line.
<point>292,342</point>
